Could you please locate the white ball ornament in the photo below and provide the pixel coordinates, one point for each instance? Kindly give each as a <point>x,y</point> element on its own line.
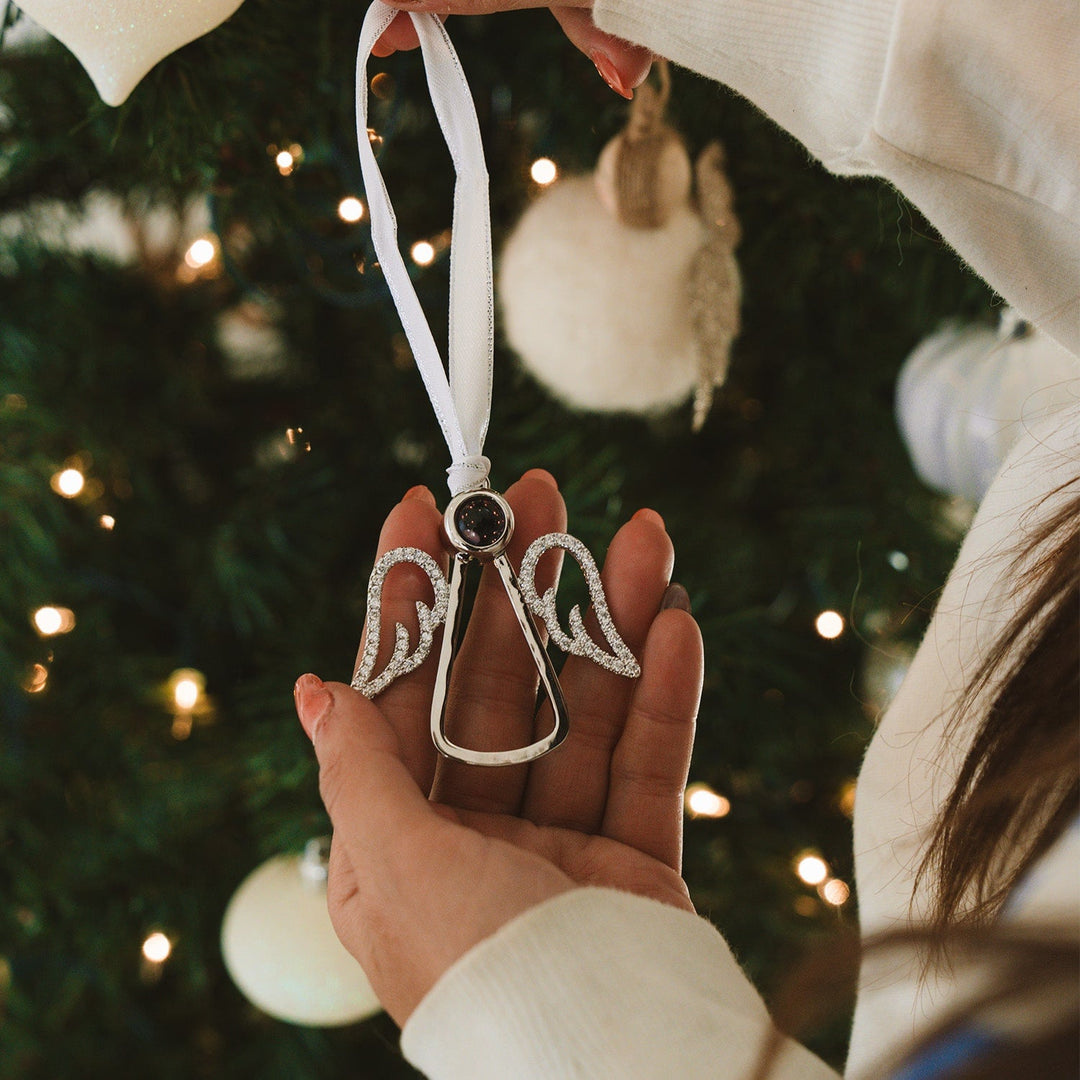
<point>281,950</point>
<point>599,311</point>
<point>965,393</point>
<point>620,292</point>
<point>119,41</point>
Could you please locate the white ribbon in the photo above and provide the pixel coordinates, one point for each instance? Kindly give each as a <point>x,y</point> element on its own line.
<point>462,404</point>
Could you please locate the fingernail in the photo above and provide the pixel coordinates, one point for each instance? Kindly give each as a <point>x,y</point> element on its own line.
<point>675,596</point>
<point>419,492</point>
<point>610,74</point>
<point>541,474</point>
<point>649,515</point>
<point>312,703</point>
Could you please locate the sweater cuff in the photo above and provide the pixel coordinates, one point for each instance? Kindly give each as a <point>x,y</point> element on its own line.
<point>595,982</point>
<point>815,66</point>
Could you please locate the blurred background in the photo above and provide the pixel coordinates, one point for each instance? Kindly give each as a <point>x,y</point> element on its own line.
<point>207,406</point>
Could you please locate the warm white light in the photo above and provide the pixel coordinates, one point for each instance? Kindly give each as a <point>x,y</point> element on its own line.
<point>201,253</point>
<point>544,171</point>
<point>350,209</point>
<point>186,694</point>
<point>156,948</point>
<point>186,687</point>
<point>846,799</point>
<point>835,892</point>
<point>829,624</point>
<point>702,801</point>
<point>69,482</point>
<point>36,679</point>
<point>285,162</point>
<point>107,521</point>
<point>53,620</point>
<point>812,869</point>
<point>423,254</point>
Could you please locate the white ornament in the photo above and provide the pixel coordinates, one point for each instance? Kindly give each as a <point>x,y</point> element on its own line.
<point>598,311</point>
<point>965,393</point>
<point>281,950</point>
<point>119,41</point>
<point>122,230</point>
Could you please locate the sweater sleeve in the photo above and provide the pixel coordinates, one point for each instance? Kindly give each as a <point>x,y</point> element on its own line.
<point>598,983</point>
<point>968,107</point>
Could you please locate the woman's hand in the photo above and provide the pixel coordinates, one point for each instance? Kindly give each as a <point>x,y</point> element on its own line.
<point>621,65</point>
<point>429,856</point>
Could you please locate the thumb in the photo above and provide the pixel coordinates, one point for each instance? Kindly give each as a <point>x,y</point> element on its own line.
<point>368,791</point>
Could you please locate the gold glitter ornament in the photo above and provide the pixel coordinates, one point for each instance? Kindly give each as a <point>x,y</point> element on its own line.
<point>715,284</point>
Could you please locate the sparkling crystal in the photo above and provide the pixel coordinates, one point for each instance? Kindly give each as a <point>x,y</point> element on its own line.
<point>480,521</point>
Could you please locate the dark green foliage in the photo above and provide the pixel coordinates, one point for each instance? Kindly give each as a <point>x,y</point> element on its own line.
<point>789,502</point>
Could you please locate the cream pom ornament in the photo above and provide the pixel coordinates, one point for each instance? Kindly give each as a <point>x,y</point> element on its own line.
<point>281,950</point>
<point>617,292</point>
<point>119,41</point>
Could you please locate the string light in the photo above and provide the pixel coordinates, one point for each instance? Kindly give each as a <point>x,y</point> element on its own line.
<point>846,799</point>
<point>68,482</point>
<point>835,892</point>
<point>544,171</point>
<point>829,624</point>
<point>898,561</point>
<point>201,253</point>
<point>157,948</point>
<point>107,522</point>
<point>350,209</point>
<point>186,690</point>
<point>812,869</point>
<point>423,253</point>
<point>50,621</point>
<point>701,801</point>
<point>36,679</point>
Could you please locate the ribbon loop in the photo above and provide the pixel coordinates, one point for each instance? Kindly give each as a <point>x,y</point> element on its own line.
<point>462,402</point>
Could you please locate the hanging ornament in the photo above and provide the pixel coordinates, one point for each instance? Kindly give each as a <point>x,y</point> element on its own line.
<point>281,950</point>
<point>965,393</point>
<point>250,338</point>
<point>119,41</point>
<point>617,293</point>
<point>715,283</point>
<point>478,523</point>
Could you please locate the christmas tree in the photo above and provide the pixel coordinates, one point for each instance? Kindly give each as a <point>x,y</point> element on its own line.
<point>207,407</point>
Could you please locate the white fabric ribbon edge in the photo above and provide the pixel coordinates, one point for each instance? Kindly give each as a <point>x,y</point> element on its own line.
<point>462,403</point>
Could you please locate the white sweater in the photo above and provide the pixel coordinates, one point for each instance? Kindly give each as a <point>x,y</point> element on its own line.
<point>971,108</point>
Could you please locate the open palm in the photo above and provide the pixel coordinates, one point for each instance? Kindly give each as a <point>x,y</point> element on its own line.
<point>431,856</point>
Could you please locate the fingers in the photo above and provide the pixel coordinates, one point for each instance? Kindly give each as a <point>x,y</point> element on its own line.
<point>406,703</point>
<point>621,65</point>
<point>650,763</point>
<point>492,700</point>
<point>410,891</point>
<point>569,788</point>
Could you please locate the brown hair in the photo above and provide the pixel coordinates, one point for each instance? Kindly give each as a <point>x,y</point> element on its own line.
<point>1019,785</point>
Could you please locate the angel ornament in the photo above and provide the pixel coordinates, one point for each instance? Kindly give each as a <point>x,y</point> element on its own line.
<point>478,526</point>
<point>478,522</point>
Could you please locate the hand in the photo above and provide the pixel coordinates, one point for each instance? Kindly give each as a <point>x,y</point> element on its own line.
<point>621,65</point>
<point>429,857</point>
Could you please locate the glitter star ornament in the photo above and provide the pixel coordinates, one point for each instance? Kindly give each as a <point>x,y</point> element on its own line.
<point>119,41</point>
<point>478,522</point>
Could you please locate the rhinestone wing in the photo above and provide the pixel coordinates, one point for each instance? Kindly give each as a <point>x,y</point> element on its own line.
<point>578,642</point>
<point>431,618</point>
